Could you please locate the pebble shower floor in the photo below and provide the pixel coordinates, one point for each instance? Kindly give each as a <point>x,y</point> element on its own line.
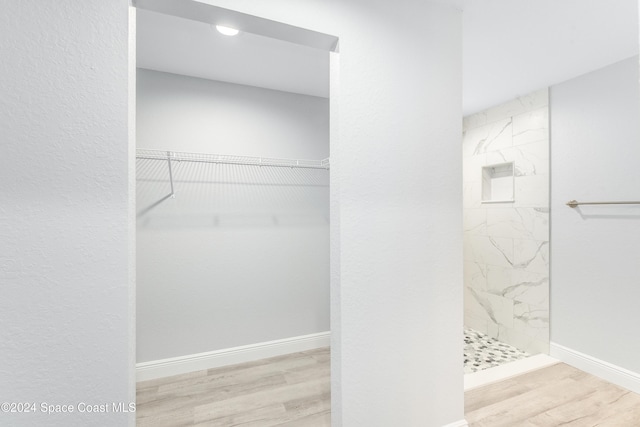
<point>483,352</point>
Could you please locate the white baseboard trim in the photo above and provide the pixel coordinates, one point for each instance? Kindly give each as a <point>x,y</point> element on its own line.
<point>506,371</point>
<point>230,356</point>
<point>614,374</point>
<point>461,423</point>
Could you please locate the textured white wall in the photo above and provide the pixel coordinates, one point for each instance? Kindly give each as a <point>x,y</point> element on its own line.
<point>401,319</point>
<point>595,249</point>
<point>398,167</point>
<point>241,255</point>
<point>64,222</point>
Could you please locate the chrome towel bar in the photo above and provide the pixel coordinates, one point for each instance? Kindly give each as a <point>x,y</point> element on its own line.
<point>575,204</point>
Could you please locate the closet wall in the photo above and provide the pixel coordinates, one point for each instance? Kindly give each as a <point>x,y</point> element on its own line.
<point>241,255</point>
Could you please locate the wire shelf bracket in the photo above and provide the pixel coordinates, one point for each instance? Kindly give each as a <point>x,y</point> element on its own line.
<point>171,195</point>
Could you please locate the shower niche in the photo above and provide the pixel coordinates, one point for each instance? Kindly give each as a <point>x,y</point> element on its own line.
<point>497,183</point>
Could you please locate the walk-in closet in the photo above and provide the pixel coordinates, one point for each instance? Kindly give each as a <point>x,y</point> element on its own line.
<point>232,185</point>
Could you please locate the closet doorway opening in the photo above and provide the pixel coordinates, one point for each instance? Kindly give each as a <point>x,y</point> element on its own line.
<point>232,174</point>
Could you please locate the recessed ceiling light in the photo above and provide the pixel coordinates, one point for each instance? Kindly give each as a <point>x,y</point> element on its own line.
<point>227,31</point>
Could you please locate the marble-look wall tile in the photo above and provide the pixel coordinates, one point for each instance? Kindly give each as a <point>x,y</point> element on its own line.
<point>529,159</point>
<point>528,287</point>
<point>487,190</point>
<point>473,121</point>
<point>506,249</point>
<point>503,310</point>
<point>473,321</point>
<point>475,276</point>
<point>531,320</point>
<point>532,191</point>
<point>518,223</point>
<point>490,137</point>
<point>474,221</point>
<point>495,330</point>
<point>518,339</point>
<point>531,255</point>
<point>498,280</point>
<point>488,250</point>
<point>472,168</point>
<point>472,194</point>
<point>492,308</point>
<point>473,305</point>
<point>535,346</point>
<point>522,104</point>
<point>505,222</point>
<point>534,319</point>
<point>531,126</point>
<point>470,140</point>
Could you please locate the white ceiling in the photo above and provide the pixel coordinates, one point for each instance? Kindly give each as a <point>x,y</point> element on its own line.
<point>513,47</point>
<point>510,48</point>
<point>182,46</point>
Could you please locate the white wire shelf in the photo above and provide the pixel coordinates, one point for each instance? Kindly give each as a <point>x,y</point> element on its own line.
<point>177,156</point>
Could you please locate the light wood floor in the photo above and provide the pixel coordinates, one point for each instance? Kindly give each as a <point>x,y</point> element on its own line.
<point>294,391</point>
<point>291,390</point>
<point>555,396</point>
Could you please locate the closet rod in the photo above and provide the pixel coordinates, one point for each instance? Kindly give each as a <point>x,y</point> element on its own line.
<point>176,156</point>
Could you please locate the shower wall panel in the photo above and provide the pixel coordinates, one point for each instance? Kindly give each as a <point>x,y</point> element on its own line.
<point>506,243</point>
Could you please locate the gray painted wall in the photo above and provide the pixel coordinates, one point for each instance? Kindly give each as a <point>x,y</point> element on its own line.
<point>64,211</point>
<point>595,250</point>
<point>241,255</point>
<point>396,284</point>
<point>398,293</point>
<point>185,113</point>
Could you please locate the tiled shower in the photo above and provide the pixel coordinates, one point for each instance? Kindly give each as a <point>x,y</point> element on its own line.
<point>506,222</point>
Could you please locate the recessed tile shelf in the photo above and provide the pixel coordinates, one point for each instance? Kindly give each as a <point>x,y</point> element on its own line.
<point>497,183</point>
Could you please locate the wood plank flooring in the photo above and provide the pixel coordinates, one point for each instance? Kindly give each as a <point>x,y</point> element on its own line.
<point>290,390</point>
<point>294,391</point>
<point>559,395</point>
